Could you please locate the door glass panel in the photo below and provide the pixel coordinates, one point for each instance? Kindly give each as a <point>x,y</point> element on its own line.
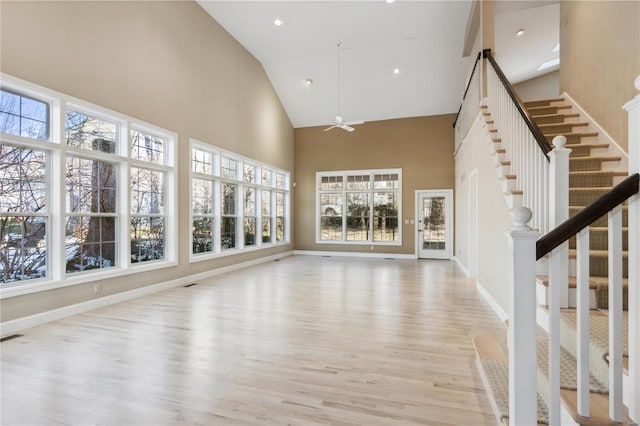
<point>433,217</point>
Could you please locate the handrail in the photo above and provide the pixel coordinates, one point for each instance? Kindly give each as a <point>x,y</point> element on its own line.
<point>586,217</point>
<point>473,71</point>
<point>535,130</point>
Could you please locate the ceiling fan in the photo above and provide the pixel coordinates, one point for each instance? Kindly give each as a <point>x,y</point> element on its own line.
<point>339,121</point>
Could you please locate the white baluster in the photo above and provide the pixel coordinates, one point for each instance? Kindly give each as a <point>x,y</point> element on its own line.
<point>522,319</point>
<point>615,314</point>
<point>633,108</point>
<point>582,314</point>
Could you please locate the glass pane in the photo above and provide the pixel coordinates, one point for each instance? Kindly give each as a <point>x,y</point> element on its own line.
<point>386,181</point>
<point>91,186</point>
<point>266,229</point>
<point>249,201</point>
<point>266,203</point>
<point>358,182</point>
<point>385,216</point>
<point>249,173</point>
<point>266,177</point>
<point>90,243</point>
<point>229,168</point>
<point>23,248</point>
<point>228,233</point>
<point>23,185</point>
<point>201,161</point>
<point>433,215</point>
<point>23,116</point>
<point>331,204</point>
<point>202,196</point>
<point>279,204</point>
<point>249,231</point>
<point>280,228</point>
<point>328,183</point>
<point>228,199</point>
<point>280,181</point>
<point>358,216</point>
<point>87,132</point>
<point>147,191</point>
<point>202,234</point>
<point>147,238</point>
<point>147,147</point>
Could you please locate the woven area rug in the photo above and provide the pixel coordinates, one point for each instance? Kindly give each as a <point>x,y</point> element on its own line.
<point>497,373</point>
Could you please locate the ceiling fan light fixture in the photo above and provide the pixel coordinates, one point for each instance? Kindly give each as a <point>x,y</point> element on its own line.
<point>308,82</point>
<point>519,32</point>
<point>396,71</point>
<point>278,22</point>
<point>389,1</point>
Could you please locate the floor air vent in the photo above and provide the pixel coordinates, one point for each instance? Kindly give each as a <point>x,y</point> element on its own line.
<point>190,285</point>
<point>10,337</point>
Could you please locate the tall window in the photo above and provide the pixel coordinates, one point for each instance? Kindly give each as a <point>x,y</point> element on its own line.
<point>358,207</point>
<point>252,208</point>
<point>89,227</point>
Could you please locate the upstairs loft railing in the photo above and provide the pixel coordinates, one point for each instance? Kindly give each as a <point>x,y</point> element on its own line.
<point>471,100</point>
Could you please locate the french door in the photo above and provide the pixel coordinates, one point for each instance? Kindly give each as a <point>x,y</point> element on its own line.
<point>434,230</point>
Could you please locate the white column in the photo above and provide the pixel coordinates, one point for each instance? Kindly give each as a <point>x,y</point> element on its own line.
<point>558,266</point>
<point>633,108</point>
<point>522,319</point>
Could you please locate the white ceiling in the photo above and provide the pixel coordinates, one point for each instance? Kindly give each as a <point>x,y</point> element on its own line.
<point>424,39</point>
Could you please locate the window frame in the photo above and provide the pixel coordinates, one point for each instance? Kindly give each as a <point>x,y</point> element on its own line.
<point>343,197</point>
<point>217,179</point>
<point>58,152</point>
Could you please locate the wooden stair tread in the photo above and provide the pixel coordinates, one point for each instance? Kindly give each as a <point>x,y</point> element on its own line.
<point>595,253</point>
<point>537,101</point>
<point>598,405</point>
<point>598,172</point>
<point>611,158</point>
<point>587,145</point>
<point>565,115</point>
<point>533,109</point>
<point>569,123</point>
<point>580,134</point>
<point>544,280</point>
<point>491,345</point>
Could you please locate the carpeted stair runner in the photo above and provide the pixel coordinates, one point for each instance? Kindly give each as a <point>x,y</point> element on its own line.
<point>589,178</point>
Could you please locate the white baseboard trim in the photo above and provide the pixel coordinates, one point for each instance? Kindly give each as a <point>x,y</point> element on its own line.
<point>492,302</point>
<point>461,266</point>
<point>18,324</point>
<point>354,254</point>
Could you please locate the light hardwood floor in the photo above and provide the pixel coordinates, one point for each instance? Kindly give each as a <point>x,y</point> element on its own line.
<point>305,340</point>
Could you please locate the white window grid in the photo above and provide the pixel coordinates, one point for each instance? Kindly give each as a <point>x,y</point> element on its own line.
<point>267,179</point>
<point>345,182</point>
<point>57,152</point>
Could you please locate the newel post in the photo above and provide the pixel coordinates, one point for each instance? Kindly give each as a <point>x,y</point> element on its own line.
<point>522,319</point>
<point>633,108</point>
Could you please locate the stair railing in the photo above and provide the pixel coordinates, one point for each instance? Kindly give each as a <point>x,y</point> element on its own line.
<point>527,149</point>
<point>525,248</point>
<point>471,101</point>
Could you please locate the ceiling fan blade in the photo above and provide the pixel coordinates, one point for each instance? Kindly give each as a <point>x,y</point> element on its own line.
<point>329,128</point>
<point>354,123</point>
<point>347,128</point>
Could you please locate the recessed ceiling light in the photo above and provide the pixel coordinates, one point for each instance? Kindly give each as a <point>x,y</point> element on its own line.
<point>519,32</point>
<point>549,64</point>
<point>278,22</point>
<point>308,82</point>
<point>396,71</point>
<point>389,1</point>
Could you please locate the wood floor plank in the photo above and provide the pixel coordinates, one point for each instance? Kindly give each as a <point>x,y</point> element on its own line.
<point>306,340</point>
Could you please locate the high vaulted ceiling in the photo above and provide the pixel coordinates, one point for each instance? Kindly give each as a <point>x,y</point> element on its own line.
<point>422,39</point>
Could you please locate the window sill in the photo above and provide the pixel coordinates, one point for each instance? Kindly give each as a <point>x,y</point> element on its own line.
<point>231,252</point>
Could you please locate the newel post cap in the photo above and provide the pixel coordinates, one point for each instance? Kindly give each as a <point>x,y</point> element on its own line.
<point>559,141</point>
<point>520,216</point>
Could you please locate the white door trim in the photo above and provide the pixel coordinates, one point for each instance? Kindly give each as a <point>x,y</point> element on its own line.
<point>448,193</point>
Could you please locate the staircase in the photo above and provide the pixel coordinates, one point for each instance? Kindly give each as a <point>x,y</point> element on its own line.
<point>593,171</point>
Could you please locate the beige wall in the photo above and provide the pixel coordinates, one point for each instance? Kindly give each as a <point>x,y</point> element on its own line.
<point>542,87</point>
<point>422,147</point>
<point>166,63</point>
<point>600,58</point>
